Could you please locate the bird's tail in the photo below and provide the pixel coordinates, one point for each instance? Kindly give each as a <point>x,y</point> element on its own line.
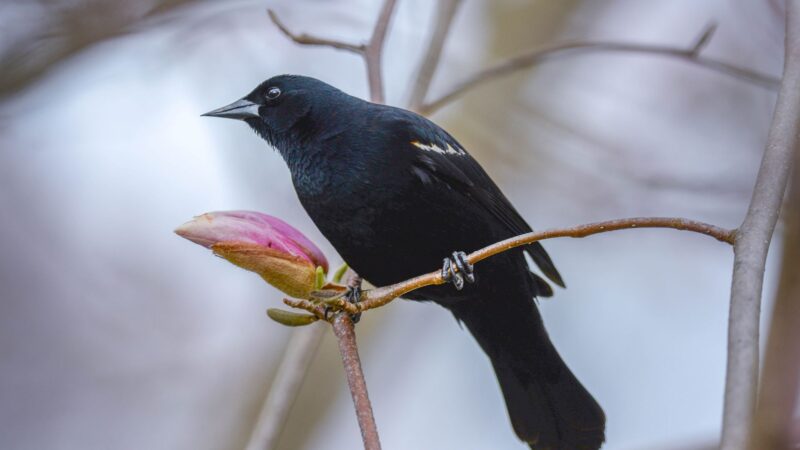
<point>548,406</point>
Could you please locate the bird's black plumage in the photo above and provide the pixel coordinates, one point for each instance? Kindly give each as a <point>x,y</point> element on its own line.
<point>394,193</point>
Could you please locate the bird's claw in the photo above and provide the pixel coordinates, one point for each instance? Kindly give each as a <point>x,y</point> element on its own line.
<point>353,295</point>
<point>457,269</point>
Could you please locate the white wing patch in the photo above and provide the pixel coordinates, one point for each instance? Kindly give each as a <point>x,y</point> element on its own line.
<point>435,148</point>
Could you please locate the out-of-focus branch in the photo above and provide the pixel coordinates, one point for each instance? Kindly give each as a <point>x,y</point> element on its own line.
<point>537,55</point>
<point>374,52</point>
<point>371,52</point>
<point>69,29</point>
<point>377,297</point>
<point>752,245</point>
<point>286,385</point>
<point>780,379</point>
<point>306,39</point>
<point>441,28</point>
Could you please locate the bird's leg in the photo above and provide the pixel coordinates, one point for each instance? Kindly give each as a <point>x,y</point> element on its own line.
<point>456,269</point>
<point>353,295</point>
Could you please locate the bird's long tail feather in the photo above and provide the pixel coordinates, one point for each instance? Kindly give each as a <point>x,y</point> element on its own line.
<point>548,406</point>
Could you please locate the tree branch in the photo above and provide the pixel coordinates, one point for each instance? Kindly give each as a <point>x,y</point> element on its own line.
<point>374,51</point>
<point>306,39</point>
<point>752,245</point>
<point>780,379</point>
<point>58,32</point>
<point>346,337</point>
<point>285,386</point>
<point>539,54</point>
<point>370,52</point>
<point>378,297</point>
<point>441,28</point>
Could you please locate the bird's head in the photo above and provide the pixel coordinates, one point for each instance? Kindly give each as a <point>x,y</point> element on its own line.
<point>282,109</point>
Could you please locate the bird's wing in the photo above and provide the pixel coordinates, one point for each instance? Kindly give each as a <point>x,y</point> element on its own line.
<point>440,158</point>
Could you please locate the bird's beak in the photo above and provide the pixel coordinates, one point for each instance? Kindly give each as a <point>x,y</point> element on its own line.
<point>240,109</point>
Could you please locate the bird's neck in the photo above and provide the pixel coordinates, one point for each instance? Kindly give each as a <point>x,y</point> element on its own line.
<point>305,144</point>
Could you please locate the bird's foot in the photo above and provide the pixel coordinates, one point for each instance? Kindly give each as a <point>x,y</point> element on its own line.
<point>458,269</point>
<point>353,295</point>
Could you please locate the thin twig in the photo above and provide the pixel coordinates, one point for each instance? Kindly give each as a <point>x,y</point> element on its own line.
<point>441,28</point>
<point>537,55</point>
<point>306,39</point>
<point>752,245</point>
<point>371,52</point>
<point>374,51</point>
<point>285,386</point>
<point>346,337</point>
<point>378,297</point>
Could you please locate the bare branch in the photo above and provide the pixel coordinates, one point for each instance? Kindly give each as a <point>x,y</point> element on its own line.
<point>306,39</point>
<point>780,380</point>
<point>752,245</point>
<point>374,51</point>
<point>346,337</point>
<point>285,386</point>
<point>370,52</point>
<point>444,18</point>
<point>704,39</point>
<point>540,54</point>
<point>60,31</point>
<point>378,297</point>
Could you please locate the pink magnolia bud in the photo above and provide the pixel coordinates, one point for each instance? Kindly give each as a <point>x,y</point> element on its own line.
<point>263,244</point>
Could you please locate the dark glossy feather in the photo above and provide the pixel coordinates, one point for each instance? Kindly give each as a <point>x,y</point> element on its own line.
<point>457,169</point>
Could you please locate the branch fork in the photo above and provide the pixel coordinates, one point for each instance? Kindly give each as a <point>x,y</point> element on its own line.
<point>370,51</point>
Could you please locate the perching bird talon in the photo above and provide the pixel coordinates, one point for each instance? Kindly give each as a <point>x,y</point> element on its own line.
<point>353,296</point>
<point>457,269</point>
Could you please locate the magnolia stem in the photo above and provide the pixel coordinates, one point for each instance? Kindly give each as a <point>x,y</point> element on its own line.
<point>378,297</point>
<point>346,337</point>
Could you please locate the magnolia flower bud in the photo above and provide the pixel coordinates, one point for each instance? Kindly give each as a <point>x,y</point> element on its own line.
<point>260,243</point>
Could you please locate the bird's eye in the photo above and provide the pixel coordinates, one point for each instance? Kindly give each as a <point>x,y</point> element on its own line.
<point>273,93</point>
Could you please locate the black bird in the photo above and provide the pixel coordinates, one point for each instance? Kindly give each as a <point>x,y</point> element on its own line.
<point>395,193</point>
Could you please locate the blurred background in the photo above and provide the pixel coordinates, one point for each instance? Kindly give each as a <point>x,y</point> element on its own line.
<point>117,334</point>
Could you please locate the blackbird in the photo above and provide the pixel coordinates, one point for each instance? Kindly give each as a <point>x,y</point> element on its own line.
<point>395,194</point>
